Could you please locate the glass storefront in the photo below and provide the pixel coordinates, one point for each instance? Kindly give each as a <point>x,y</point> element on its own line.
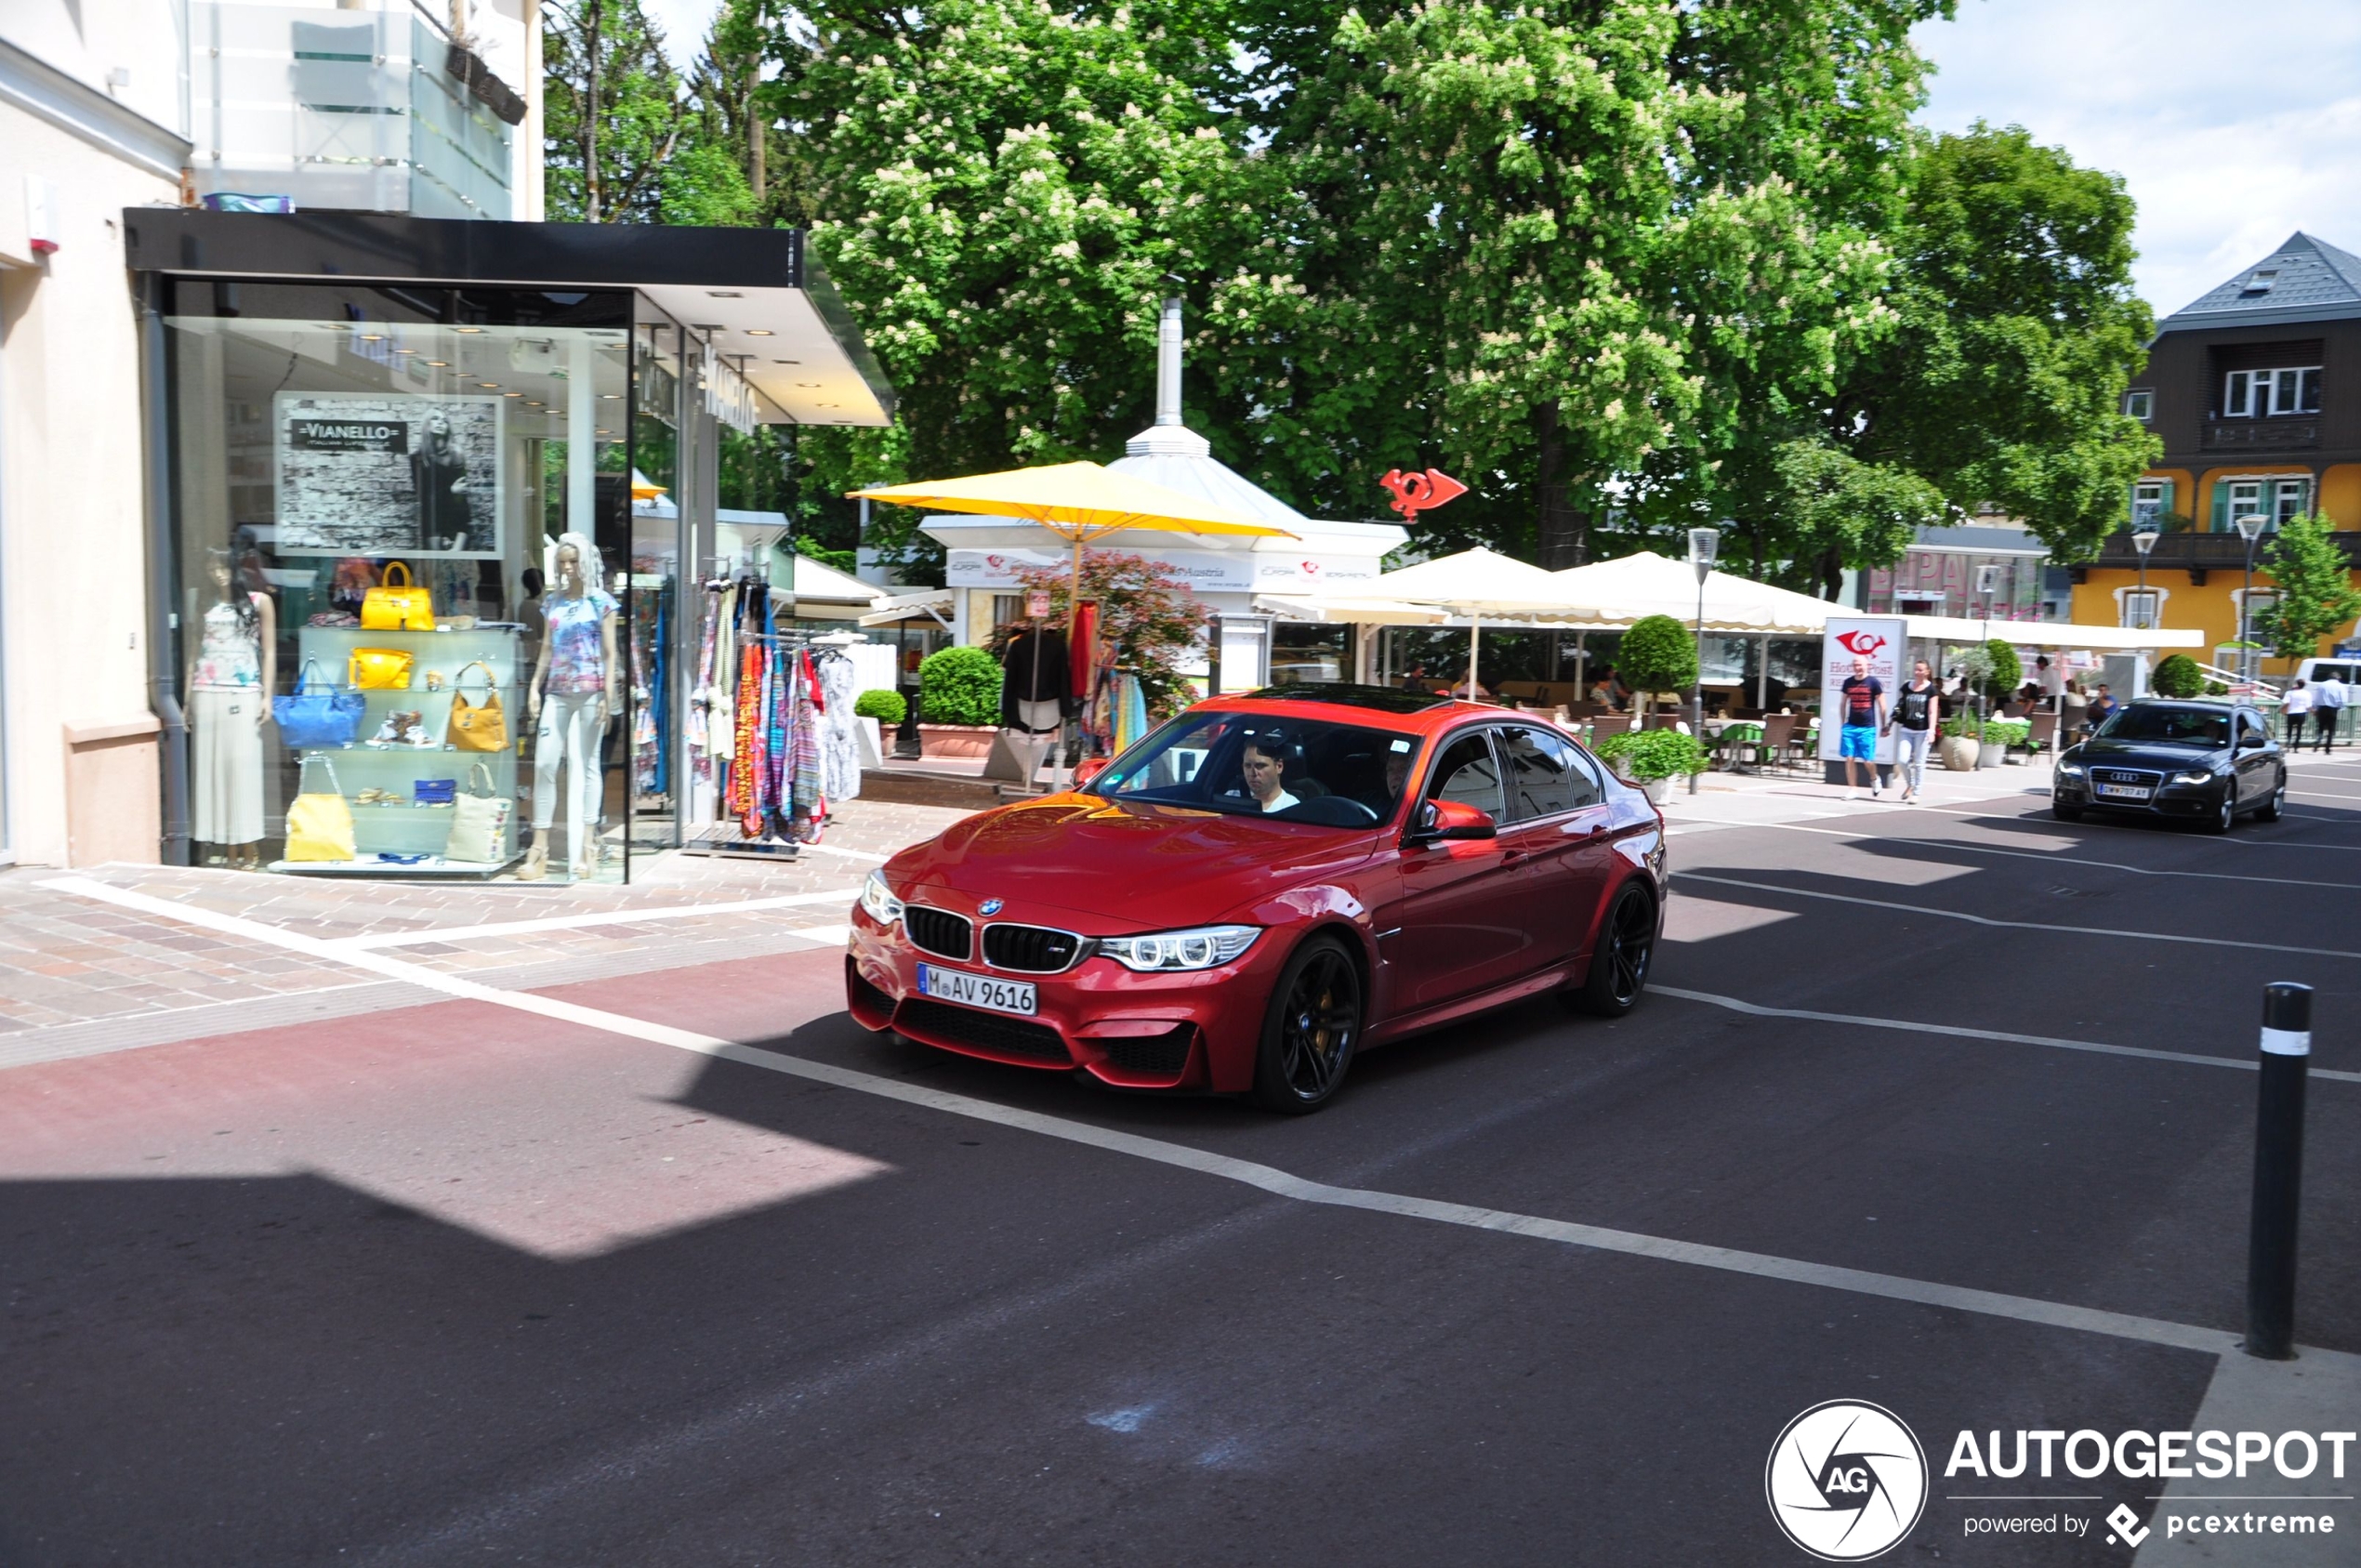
<point>411,593</point>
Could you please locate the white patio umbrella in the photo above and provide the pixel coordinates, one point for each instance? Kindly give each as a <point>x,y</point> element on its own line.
<point>1633,586</point>
<point>1477,584</point>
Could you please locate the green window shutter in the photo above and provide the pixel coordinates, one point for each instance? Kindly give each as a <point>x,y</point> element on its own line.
<point>2167,496</point>
<point>2221,506</point>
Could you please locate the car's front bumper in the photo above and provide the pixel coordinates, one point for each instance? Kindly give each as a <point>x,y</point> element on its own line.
<point>1196,1030</point>
<point>2197,800</point>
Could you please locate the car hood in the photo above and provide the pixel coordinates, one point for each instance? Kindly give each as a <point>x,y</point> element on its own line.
<point>1133,867</point>
<point>2106,753</point>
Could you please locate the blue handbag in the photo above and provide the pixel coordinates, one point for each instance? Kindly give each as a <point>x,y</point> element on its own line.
<point>316,714</point>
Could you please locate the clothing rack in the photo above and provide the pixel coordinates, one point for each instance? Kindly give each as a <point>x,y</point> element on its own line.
<point>725,837</point>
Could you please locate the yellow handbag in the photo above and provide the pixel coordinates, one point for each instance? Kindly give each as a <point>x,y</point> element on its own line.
<point>477,726</point>
<point>320,826</point>
<point>397,607</point>
<point>379,669</point>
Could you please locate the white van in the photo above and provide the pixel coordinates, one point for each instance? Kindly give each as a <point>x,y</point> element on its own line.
<point>2315,671</point>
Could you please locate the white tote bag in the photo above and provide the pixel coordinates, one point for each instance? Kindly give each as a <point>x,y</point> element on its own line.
<point>478,822</point>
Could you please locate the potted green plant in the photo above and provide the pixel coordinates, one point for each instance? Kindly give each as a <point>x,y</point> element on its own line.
<point>2177,675</point>
<point>877,708</point>
<point>959,701</point>
<point>2000,735</point>
<point>1657,655</point>
<point>1651,758</point>
<point>1962,741</point>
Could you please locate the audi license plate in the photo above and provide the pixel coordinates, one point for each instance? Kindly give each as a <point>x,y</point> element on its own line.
<point>2125,792</point>
<point>976,991</point>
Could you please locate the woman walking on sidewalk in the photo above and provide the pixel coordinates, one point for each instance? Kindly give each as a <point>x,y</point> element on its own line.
<point>1916,710</point>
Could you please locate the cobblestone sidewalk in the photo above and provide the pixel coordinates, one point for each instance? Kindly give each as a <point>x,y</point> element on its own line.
<point>68,961</point>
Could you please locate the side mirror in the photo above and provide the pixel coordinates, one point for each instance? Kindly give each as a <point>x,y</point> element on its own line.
<point>1452,819</point>
<point>2249,741</point>
<point>1087,769</point>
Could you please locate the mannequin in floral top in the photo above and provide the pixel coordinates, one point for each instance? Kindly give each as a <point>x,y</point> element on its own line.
<point>229,702</point>
<point>572,696</point>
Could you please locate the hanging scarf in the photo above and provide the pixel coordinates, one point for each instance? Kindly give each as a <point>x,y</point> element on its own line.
<point>806,796</point>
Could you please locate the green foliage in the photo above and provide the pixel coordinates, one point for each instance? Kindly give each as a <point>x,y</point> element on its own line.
<point>2177,675</point>
<point>1653,753</point>
<point>1963,723</point>
<point>847,561</point>
<point>1832,508</point>
<point>2005,732</point>
<point>2004,672</point>
<point>2217,689</point>
<point>2016,333</point>
<point>885,707</point>
<point>1148,620</point>
<point>1657,654</point>
<point>2317,597</point>
<point>960,686</point>
<point>623,141</point>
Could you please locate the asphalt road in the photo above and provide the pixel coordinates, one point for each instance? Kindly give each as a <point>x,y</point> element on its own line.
<point>461,1283</point>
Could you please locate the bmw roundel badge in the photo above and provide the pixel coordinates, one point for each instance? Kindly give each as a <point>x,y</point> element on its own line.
<point>990,906</point>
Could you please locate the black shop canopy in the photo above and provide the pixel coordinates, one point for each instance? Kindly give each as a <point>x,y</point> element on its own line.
<point>755,295</point>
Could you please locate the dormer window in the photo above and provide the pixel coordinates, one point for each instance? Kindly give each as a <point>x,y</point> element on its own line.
<point>2139,405</point>
<point>2260,282</point>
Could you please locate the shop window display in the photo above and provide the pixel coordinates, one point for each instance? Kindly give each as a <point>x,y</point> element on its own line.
<point>392,505</point>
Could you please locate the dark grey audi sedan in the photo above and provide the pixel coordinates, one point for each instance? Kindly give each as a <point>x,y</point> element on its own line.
<point>2207,762</point>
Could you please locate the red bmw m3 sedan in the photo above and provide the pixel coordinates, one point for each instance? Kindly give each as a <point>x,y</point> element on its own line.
<point>1265,886</point>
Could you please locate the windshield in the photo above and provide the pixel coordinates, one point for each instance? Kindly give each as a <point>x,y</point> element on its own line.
<point>2172,726</point>
<point>1293,770</point>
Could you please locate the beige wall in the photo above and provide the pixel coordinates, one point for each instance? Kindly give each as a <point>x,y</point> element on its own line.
<point>73,540</point>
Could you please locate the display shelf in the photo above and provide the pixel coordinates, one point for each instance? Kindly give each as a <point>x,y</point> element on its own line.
<point>408,829</point>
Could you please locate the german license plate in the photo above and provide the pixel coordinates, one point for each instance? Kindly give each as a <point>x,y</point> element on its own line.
<point>2125,792</point>
<point>976,991</point>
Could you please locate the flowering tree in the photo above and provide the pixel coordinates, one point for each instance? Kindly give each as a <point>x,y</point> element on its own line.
<point>1148,619</point>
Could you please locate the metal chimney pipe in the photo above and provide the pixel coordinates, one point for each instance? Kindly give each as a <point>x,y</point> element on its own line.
<point>1168,364</point>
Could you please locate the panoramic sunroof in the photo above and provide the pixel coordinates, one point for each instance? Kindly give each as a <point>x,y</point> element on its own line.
<point>1384,699</point>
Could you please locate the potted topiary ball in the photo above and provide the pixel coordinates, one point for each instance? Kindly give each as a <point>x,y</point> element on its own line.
<point>1658,654</point>
<point>959,701</point>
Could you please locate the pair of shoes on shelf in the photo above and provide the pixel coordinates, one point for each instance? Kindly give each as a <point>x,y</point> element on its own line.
<point>374,797</point>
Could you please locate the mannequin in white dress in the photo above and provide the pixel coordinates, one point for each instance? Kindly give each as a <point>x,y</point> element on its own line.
<point>230,688</point>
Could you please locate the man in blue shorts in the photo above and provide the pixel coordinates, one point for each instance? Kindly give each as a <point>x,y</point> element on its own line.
<point>1862,716</point>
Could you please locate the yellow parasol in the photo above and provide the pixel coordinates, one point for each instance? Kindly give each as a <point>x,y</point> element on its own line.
<point>1081,503</point>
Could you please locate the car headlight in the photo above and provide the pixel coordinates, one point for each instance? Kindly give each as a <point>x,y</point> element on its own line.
<point>2200,776</point>
<point>2069,770</point>
<point>883,907</point>
<point>1200,947</point>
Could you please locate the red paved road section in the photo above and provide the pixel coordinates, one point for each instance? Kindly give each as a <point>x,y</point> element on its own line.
<point>556,1140</point>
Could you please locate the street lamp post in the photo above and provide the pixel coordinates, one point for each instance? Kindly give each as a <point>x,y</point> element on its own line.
<point>2249,529</point>
<point>2143,539</point>
<point>1988,582</point>
<point>1704,544</point>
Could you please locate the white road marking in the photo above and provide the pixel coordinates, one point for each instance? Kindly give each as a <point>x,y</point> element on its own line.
<point>1760,1010</point>
<point>2012,925</point>
<point>2060,858</point>
<point>848,854</point>
<point>601,918</point>
<point>1268,1179</point>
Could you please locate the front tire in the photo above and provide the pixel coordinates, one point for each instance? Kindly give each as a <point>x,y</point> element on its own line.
<point>1310,1029</point>
<point>2225,816</point>
<point>1621,963</point>
<point>2270,810</point>
<point>2064,812</point>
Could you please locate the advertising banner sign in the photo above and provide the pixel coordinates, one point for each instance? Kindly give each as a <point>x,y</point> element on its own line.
<point>1204,571</point>
<point>1884,642</point>
<point>389,474</point>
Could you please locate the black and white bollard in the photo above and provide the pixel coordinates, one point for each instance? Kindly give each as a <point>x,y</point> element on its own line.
<point>2279,1170</point>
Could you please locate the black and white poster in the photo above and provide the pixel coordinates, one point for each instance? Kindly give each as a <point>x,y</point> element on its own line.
<point>385,474</point>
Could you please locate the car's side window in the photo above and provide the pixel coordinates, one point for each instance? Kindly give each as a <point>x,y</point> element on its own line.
<point>1468,772</point>
<point>1546,776</point>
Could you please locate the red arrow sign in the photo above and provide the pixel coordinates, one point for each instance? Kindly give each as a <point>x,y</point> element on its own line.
<point>1413,493</point>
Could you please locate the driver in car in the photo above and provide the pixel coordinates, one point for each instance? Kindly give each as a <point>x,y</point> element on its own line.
<point>1264,764</point>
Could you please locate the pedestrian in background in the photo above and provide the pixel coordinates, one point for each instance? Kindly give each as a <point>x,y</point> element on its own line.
<point>2294,707</point>
<point>2102,706</point>
<point>1916,710</point>
<point>2329,697</point>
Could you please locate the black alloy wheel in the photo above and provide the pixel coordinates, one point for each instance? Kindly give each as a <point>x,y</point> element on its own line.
<point>2271,808</point>
<point>1627,948</point>
<point>2225,815</point>
<point>1310,1033</point>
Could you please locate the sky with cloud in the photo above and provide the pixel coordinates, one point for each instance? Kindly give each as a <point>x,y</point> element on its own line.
<point>2233,125</point>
